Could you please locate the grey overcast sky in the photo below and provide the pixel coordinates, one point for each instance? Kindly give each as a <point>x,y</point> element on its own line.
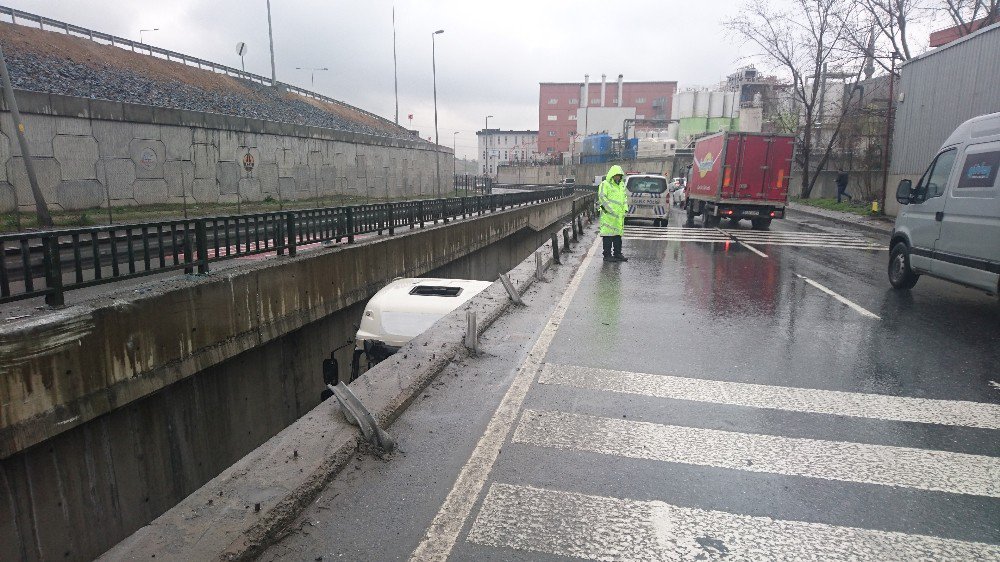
<point>490,58</point>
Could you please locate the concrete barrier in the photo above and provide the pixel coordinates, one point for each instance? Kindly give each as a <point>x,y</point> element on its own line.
<point>237,514</point>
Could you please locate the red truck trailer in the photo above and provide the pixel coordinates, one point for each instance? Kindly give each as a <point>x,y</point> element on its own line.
<point>740,176</point>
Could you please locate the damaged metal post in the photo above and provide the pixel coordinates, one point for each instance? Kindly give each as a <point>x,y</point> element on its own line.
<point>555,249</point>
<point>511,291</point>
<point>566,239</point>
<point>471,332</point>
<point>358,415</point>
<point>539,267</point>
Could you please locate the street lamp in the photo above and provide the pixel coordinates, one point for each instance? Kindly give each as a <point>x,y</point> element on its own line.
<point>437,155</point>
<point>486,145</point>
<point>312,75</point>
<point>144,30</point>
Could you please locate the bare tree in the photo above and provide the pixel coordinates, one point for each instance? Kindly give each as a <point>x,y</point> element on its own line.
<point>966,13</point>
<point>879,28</point>
<point>804,42</point>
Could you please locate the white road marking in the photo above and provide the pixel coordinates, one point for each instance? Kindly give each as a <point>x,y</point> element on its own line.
<point>604,528</point>
<point>941,471</point>
<point>957,413</point>
<point>444,529</point>
<point>851,304</point>
<point>742,243</point>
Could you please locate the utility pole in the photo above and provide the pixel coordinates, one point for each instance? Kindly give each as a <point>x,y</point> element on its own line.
<point>41,208</point>
<point>437,155</point>
<point>395,74</point>
<point>889,114</point>
<point>270,38</point>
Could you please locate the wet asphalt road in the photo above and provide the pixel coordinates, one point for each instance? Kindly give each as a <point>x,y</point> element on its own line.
<point>700,401</point>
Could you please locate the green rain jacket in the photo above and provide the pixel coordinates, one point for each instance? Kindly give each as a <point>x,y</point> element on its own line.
<point>613,202</point>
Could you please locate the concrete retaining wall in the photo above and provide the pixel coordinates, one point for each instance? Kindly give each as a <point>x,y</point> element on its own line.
<point>89,152</point>
<point>112,414</point>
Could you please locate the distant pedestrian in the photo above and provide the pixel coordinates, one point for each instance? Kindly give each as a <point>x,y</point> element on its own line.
<point>613,203</point>
<point>842,179</point>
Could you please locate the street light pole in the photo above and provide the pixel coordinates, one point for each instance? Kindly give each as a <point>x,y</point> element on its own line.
<point>270,38</point>
<point>395,74</point>
<point>312,75</point>
<point>437,155</point>
<point>486,145</point>
<point>454,160</point>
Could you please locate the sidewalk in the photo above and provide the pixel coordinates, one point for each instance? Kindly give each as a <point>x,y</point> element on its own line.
<point>878,225</point>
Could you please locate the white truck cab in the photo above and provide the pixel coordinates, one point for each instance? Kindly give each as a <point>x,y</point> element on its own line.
<point>404,309</point>
<point>949,223</point>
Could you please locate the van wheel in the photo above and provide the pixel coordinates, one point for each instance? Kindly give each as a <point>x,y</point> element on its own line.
<point>901,277</point>
<point>761,224</point>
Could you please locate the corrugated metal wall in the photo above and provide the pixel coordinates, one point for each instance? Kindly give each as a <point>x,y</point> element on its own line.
<point>942,89</point>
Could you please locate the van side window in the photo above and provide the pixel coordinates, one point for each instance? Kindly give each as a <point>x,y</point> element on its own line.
<point>935,180</point>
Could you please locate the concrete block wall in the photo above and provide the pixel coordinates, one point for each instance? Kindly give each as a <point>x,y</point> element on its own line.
<point>89,153</point>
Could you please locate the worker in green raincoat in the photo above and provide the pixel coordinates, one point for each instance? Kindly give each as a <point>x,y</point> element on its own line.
<point>613,203</point>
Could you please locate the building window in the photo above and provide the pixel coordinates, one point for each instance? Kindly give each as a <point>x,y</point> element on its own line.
<point>594,101</point>
<point>574,101</point>
<point>553,117</point>
<point>553,101</point>
<point>640,100</point>
<point>615,101</point>
<point>505,155</point>
<point>552,133</point>
<point>572,117</point>
<point>550,149</point>
<point>640,116</point>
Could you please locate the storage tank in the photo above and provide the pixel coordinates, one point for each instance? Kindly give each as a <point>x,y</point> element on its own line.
<point>673,106</point>
<point>685,104</point>
<point>716,104</point>
<point>727,105</point>
<point>672,130</point>
<point>701,102</point>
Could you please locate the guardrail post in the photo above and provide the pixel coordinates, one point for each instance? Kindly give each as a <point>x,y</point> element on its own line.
<point>291,237</point>
<point>555,248</point>
<point>201,242</point>
<point>493,203</point>
<point>420,211</point>
<point>444,210</point>
<point>53,271</point>
<point>391,218</point>
<point>565,240</point>
<point>188,250</point>
<point>463,208</point>
<point>279,234</point>
<point>350,225</point>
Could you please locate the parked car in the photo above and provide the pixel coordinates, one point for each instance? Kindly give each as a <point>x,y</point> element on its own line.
<point>648,198</point>
<point>948,225</point>
<point>404,309</point>
<point>567,181</point>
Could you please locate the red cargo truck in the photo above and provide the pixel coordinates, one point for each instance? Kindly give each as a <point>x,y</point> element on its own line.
<point>740,176</point>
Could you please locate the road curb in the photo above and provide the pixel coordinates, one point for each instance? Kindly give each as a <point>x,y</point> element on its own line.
<point>872,228</point>
<point>243,510</point>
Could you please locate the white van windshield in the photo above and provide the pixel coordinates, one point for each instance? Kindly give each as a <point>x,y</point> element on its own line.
<point>646,185</point>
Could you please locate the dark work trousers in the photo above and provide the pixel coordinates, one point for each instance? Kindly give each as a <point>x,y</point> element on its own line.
<point>610,242</point>
<point>842,192</point>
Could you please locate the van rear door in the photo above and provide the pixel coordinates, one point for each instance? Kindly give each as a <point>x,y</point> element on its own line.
<point>968,248</point>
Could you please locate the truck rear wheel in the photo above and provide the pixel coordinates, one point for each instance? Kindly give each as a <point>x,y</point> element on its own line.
<point>708,220</point>
<point>761,224</point>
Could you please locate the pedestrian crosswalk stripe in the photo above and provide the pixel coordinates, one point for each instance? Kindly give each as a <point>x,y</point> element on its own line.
<point>942,471</point>
<point>605,528</point>
<point>806,400</point>
<point>766,238</point>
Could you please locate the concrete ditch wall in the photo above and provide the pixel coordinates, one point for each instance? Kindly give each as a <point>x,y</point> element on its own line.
<point>88,152</point>
<point>113,414</point>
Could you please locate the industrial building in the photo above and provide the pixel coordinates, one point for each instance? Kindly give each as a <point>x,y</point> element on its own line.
<point>498,147</point>
<point>564,112</point>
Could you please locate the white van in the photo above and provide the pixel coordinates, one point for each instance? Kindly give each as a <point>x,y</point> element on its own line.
<point>402,310</point>
<point>949,224</point>
<point>648,198</point>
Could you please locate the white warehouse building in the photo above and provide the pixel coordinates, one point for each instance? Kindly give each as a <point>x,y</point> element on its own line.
<point>498,147</point>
